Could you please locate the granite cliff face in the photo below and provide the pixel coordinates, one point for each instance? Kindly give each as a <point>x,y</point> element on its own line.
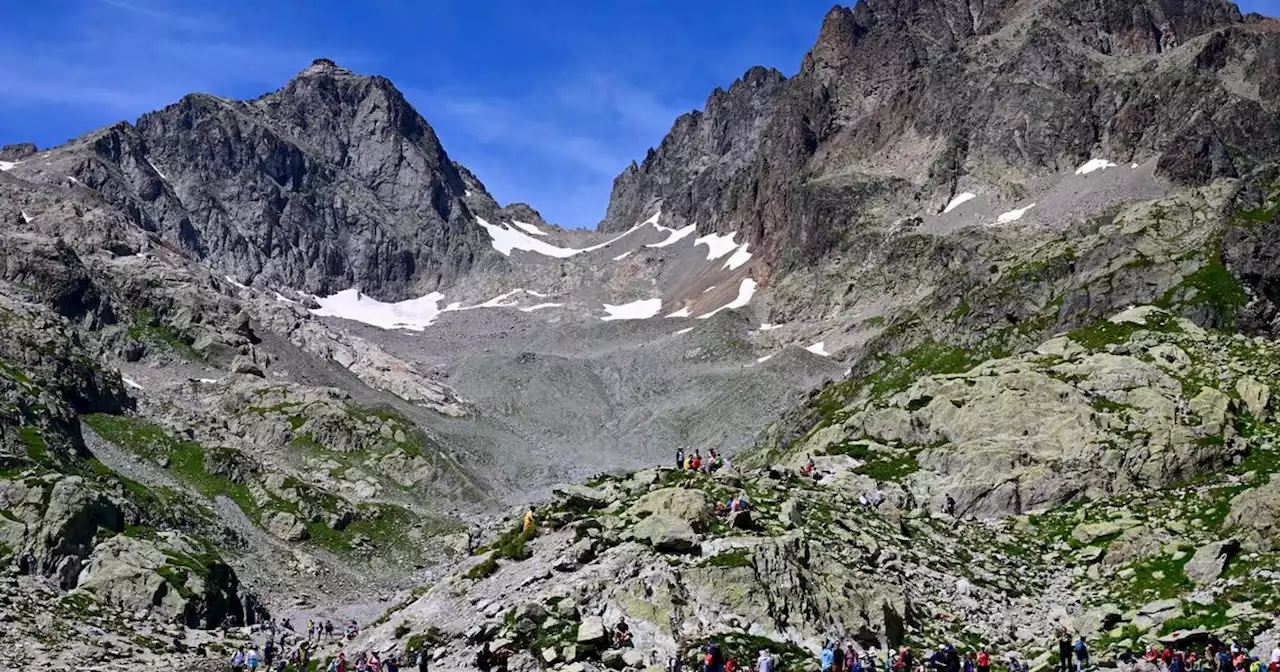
<point>912,103</point>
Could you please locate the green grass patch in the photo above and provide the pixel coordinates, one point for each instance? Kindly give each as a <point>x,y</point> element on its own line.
<point>1212,286</point>
<point>729,560</point>
<point>146,328</point>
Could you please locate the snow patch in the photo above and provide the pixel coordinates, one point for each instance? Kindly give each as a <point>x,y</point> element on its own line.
<point>73,180</point>
<point>540,306</point>
<point>769,327</point>
<point>708,289</point>
<point>466,193</point>
<point>237,284</point>
<point>153,167</point>
<point>412,314</point>
<point>739,257</point>
<point>684,331</point>
<point>208,381</point>
<point>1094,165</point>
<point>717,245</point>
<point>505,239</point>
<point>1134,166</point>
<point>764,359</point>
<point>683,312</point>
<point>131,383</point>
<point>624,255</point>
<point>745,291</point>
<point>26,219</point>
<point>636,310</point>
<point>284,299</point>
<point>1013,215</point>
<point>959,200</point>
<point>529,228</point>
<point>674,235</point>
<point>7,165</point>
<point>819,348</point>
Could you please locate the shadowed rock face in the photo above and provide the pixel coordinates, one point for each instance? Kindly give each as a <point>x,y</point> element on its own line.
<point>331,182</point>
<point>916,98</point>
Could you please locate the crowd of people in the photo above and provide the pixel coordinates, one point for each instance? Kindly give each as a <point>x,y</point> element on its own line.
<point>1215,657</point>
<point>695,462</point>
<point>284,648</point>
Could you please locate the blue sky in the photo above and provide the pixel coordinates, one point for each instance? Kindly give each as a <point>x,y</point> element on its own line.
<point>546,101</point>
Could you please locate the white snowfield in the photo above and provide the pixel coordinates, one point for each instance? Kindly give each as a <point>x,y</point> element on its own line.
<point>673,235</point>
<point>529,228</point>
<point>819,348</point>
<point>1094,165</point>
<point>769,327</point>
<point>739,257</point>
<point>413,314</point>
<point>683,312</point>
<point>764,359</point>
<point>1014,215</point>
<point>717,245</point>
<point>7,165</point>
<point>506,238</point>
<point>959,200</point>
<point>636,310</point>
<point>746,290</point>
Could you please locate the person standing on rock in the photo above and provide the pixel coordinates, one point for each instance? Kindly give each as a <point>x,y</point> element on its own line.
<point>680,458</point>
<point>529,521</point>
<point>1064,650</point>
<point>837,657</point>
<point>1082,655</point>
<point>984,660</point>
<point>484,658</point>
<point>764,663</point>
<point>827,657</point>
<point>949,506</point>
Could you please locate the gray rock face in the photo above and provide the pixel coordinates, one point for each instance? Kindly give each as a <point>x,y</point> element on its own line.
<point>916,97</point>
<point>1208,563</point>
<point>667,533</point>
<point>333,181</point>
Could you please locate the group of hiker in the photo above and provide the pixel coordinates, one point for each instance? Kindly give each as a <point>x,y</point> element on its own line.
<point>271,657</point>
<point>1216,657</point>
<point>695,462</point>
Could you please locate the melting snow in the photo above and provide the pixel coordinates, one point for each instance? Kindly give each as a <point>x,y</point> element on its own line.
<point>208,381</point>
<point>717,245</point>
<point>740,256</point>
<point>624,255</point>
<point>673,235</point>
<point>413,314</point>
<point>636,310</point>
<point>7,165</point>
<point>683,312</point>
<point>233,281</point>
<point>769,327</point>
<point>1014,215</point>
<point>745,291</point>
<point>764,359</point>
<point>528,228</point>
<point>284,299</point>
<point>959,200</point>
<point>131,383</point>
<point>505,239</point>
<point>683,331</point>
<point>819,348</point>
<point>540,306</point>
<point>26,219</point>
<point>530,292</point>
<point>1093,165</point>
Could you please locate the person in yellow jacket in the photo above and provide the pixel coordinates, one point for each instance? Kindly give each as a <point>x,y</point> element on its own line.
<point>529,522</point>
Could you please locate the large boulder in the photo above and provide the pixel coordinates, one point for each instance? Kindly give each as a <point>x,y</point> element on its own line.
<point>1255,516</point>
<point>1210,561</point>
<point>581,497</point>
<point>286,526</point>
<point>666,533</point>
<point>1256,396</point>
<point>685,504</point>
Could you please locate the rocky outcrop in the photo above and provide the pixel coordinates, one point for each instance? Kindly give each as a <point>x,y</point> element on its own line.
<point>1255,516</point>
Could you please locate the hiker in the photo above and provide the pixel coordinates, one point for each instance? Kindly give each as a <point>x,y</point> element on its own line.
<point>339,664</point>
<point>423,661</point>
<point>984,660</point>
<point>1082,655</point>
<point>828,657</point>
<point>251,660</point>
<point>968,662</point>
<point>837,656</point>
<point>621,634</point>
<point>696,462</point>
<point>674,664</point>
<point>484,658</point>
<point>938,661</point>
<point>952,658</point>
<point>765,662</point>
<point>1064,650</point>
<point>808,466</point>
<point>949,506</point>
<point>714,662</point>
<point>529,521</point>
<point>237,660</point>
<point>1178,664</point>
<point>328,629</point>
<point>851,662</point>
<point>679,458</point>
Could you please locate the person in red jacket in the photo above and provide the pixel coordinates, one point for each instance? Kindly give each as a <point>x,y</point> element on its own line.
<point>984,661</point>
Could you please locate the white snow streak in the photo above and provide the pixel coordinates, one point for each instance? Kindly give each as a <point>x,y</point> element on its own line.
<point>674,235</point>
<point>1014,215</point>
<point>350,304</point>
<point>959,200</point>
<point>7,165</point>
<point>764,359</point>
<point>739,257</point>
<point>683,312</point>
<point>26,219</point>
<point>745,291</point>
<point>208,381</point>
<point>819,348</point>
<point>153,167</point>
<point>540,306</point>
<point>636,310</point>
<point>708,289</point>
<point>530,292</point>
<point>717,245</point>
<point>505,239</point>
<point>1094,165</point>
<point>769,327</point>
<point>684,331</point>
<point>284,299</point>
<point>131,383</point>
<point>237,284</point>
<point>624,255</point>
<point>529,228</point>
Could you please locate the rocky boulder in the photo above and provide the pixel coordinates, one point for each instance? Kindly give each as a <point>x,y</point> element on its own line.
<point>1255,516</point>
<point>666,533</point>
<point>688,505</point>
<point>1210,560</point>
<point>580,497</point>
